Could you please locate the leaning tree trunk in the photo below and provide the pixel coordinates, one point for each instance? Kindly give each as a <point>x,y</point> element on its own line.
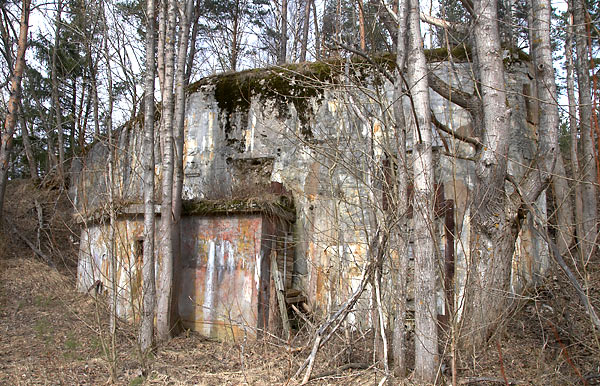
<point>586,159</point>
<point>10,122</point>
<point>146,333</point>
<point>426,336</point>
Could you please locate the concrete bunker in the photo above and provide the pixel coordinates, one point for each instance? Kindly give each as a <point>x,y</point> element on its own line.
<point>274,162</point>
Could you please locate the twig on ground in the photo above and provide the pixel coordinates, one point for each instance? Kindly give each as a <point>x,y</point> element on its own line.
<point>469,381</point>
<point>339,370</point>
<point>41,254</point>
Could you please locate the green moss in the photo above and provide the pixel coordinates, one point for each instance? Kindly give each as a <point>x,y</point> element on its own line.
<point>459,53</point>
<point>292,83</point>
<point>298,83</point>
<point>515,55</point>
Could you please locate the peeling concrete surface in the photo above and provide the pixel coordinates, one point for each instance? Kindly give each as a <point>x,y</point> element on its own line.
<point>323,159</point>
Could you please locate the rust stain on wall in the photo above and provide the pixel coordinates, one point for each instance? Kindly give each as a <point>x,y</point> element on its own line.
<point>219,282</point>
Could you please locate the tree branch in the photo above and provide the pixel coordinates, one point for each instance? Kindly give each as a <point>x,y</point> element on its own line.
<point>439,125</point>
<point>41,254</point>
<point>454,95</point>
<point>365,56</point>
<point>443,23</point>
<point>468,4</point>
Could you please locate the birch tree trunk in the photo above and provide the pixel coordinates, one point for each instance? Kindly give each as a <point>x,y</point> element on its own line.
<point>317,34</point>
<point>586,160</point>
<point>178,134</point>
<point>10,122</point>
<point>165,275</point>
<point>426,334</point>
<point>112,250</point>
<point>146,333</point>
<point>192,43</point>
<point>402,234</point>
<point>162,30</point>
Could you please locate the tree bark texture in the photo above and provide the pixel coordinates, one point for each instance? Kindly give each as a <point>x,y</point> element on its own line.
<point>549,157</point>
<point>165,273</point>
<point>493,231</point>
<point>283,37</point>
<point>178,137</point>
<point>573,127</point>
<point>426,336</point>
<point>402,235</point>
<point>56,108</point>
<point>10,122</point>
<point>305,27</point>
<point>587,164</point>
<point>146,333</point>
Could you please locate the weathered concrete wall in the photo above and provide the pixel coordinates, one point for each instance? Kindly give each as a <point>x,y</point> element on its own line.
<point>220,273</point>
<point>328,169</point>
<point>224,261</point>
<point>325,138</point>
<point>95,263</point>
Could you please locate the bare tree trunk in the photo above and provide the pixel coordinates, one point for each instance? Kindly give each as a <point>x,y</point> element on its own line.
<point>548,116</point>
<point>162,30</point>
<point>283,37</point>
<point>402,234</point>
<point>56,108</point>
<point>27,145</point>
<point>426,334</point>
<point>586,160</point>
<point>564,206</point>
<point>93,92</point>
<point>165,276</point>
<point>305,27</point>
<point>178,134</point>
<point>192,43</point>
<point>573,128</point>
<point>112,250</point>
<point>317,35</point>
<point>361,26</point>
<point>235,39</point>
<point>492,230</point>
<point>146,334</point>
<point>10,122</point>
